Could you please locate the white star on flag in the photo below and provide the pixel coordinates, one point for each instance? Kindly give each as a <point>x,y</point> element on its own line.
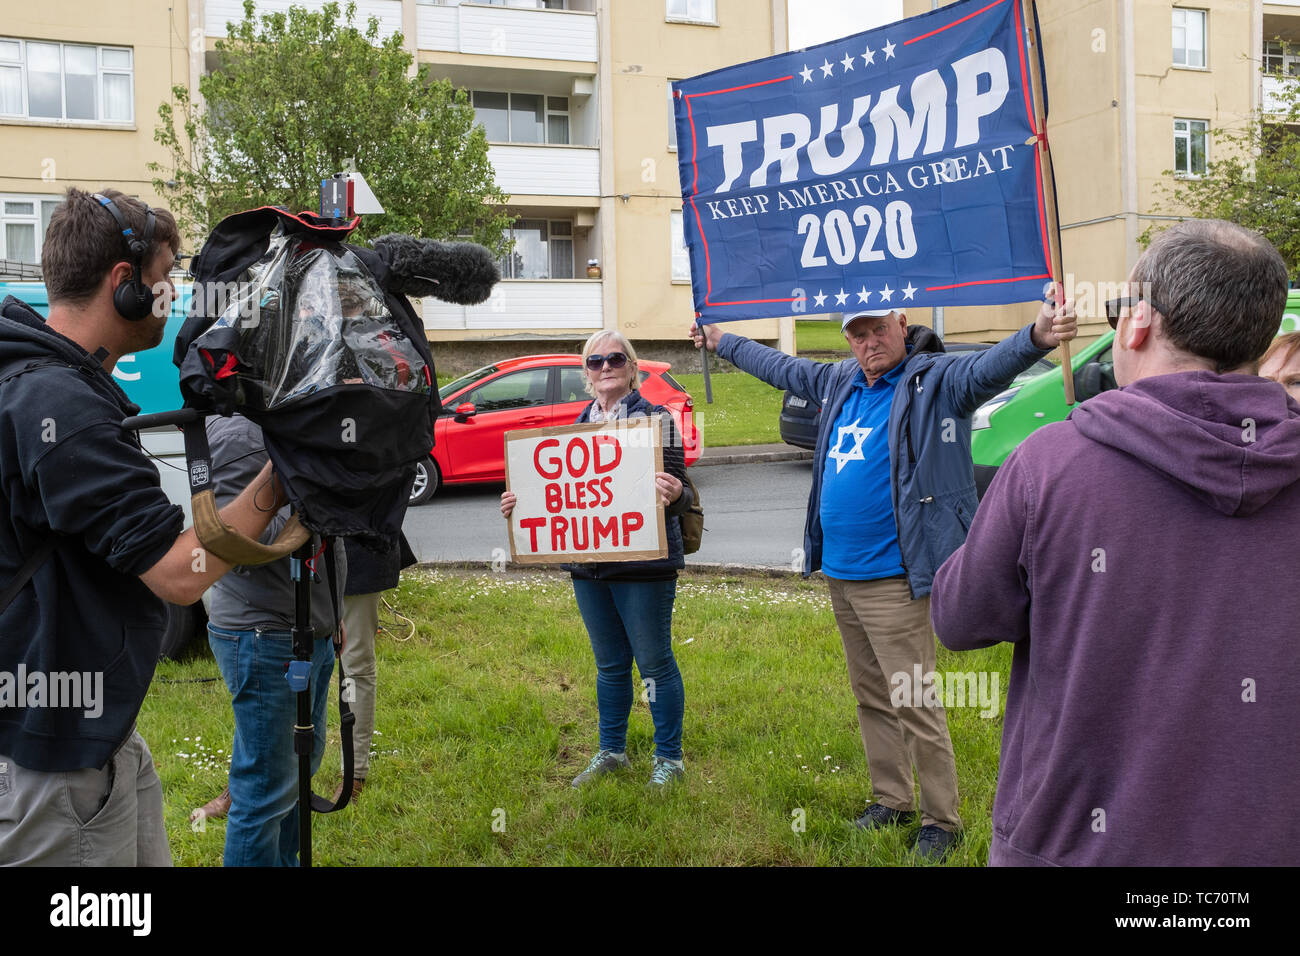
<point>827,67</point>
<point>886,292</point>
<point>864,295</point>
<point>819,298</point>
<point>848,62</point>
<point>869,56</point>
<point>806,73</point>
<point>909,291</point>
<point>889,50</point>
<point>842,297</point>
<point>842,458</point>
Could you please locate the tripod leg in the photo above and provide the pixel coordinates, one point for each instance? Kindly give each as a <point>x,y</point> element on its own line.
<point>304,643</point>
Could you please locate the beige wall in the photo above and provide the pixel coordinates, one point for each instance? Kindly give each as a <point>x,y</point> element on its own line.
<point>1109,66</point>
<point>46,158</point>
<point>646,52</point>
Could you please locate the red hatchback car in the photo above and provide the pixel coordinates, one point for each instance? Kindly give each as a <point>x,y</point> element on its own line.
<point>528,392</point>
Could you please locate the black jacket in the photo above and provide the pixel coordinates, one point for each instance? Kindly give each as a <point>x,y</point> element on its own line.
<point>67,468</point>
<point>633,405</point>
<point>371,571</point>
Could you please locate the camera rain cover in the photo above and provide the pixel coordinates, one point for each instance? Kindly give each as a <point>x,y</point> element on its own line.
<point>296,330</point>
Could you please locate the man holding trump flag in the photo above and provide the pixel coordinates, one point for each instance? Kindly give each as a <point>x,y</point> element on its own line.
<point>898,168</point>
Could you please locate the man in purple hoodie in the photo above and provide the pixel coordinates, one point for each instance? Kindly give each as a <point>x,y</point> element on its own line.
<point>1143,559</point>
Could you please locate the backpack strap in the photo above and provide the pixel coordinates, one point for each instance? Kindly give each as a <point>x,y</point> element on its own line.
<point>34,561</point>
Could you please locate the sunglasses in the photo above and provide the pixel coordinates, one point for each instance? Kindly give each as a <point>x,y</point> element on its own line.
<point>615,360</point>
<point>1113,307</point>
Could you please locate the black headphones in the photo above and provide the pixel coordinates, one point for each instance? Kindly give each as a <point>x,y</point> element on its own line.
<point>133,299</point>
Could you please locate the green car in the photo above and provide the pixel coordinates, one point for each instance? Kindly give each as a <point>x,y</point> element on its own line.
<point>1005,420</point>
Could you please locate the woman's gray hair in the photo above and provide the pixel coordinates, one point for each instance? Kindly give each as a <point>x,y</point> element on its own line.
<point>624,346</point>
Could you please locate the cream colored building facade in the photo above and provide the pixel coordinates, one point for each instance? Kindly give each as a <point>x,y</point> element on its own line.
<point>1136,87</point>
<point>574,94</point>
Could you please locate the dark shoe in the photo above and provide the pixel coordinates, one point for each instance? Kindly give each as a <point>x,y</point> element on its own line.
<point>214,809</point>
<point>933,843</point>
<point>357,784</point>
<point>878,815</point>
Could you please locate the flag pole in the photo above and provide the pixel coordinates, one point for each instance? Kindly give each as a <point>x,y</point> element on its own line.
<point>704,367</point>
<point>1049,185</point>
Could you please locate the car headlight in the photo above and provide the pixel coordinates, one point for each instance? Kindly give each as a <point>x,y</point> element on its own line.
<point>982,414</point>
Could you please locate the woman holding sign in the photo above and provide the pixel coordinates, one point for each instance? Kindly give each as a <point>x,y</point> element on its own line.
<point>627,606</point>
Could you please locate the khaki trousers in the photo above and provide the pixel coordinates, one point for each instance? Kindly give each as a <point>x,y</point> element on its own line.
<point>885,632</point>
<point>360,623</point>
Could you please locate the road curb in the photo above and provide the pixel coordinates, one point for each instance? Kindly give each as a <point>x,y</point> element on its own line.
<point>739,456</point>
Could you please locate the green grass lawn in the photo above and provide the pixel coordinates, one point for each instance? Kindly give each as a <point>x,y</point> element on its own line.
<point>745,411</point>
<point>489,709</point>
<point>819,335</point>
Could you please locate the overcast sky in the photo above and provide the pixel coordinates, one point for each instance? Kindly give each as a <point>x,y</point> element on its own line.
<point>816,21</point>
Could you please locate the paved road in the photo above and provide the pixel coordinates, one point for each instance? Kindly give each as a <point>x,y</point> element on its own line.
<point>753,515</point>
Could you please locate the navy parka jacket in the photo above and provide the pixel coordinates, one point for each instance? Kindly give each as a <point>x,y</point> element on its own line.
<point>932,479</point>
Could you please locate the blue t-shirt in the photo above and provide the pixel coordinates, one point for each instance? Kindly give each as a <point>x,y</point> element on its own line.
<point>859,534</point>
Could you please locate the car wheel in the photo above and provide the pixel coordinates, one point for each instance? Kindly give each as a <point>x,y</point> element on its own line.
<point>427,480</point>
<point>184,624</point>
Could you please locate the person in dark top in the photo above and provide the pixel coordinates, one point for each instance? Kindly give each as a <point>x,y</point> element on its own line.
<point>81,502</point>
<point>627,606</point>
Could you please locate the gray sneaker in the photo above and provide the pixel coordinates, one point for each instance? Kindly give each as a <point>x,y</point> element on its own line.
<point>665,772</point>
<point>606,761</point>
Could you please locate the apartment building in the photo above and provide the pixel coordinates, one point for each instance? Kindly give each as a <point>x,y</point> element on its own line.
<point>574,95</point>
<point>1136,87</point>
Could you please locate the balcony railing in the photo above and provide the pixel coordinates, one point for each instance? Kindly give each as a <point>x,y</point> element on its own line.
<point>1276,98</point>
<point>217,13</point>
<point>507,31</point>
<point>538,170</point>
<point>525,305</point>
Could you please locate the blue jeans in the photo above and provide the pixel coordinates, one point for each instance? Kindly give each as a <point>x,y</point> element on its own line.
<point>262,829</point>
<point>626,620</point>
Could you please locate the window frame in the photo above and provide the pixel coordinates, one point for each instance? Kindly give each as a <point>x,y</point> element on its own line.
<point>34,219</point>
<point>101,72</point>
<point>672,118</point>
<point>570,238</point>
<point>674,218</point>
<point>547,113</point>
<point>671,17</point>
<point>1205,39</point>
<point>1189,173</point>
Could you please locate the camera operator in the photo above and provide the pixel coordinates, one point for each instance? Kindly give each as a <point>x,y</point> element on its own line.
<point>85,518</point>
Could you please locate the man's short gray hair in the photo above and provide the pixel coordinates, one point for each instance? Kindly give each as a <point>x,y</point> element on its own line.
<point>1223,286</point>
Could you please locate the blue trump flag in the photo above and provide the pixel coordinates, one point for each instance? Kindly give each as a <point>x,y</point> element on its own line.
<point>889,169</point>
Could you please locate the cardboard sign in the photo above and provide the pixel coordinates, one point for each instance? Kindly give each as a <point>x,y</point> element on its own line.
<point>586,492</point>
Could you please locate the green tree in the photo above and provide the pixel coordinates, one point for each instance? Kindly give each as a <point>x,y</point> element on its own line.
<point>1254,180</point>
<point>297,97</point>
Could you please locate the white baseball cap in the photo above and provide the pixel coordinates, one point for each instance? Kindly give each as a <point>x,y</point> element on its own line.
<point>870,313</point>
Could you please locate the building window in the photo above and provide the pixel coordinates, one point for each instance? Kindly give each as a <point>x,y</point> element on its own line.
<point>672,119</point>
<point>1189,38</point>
<point>522,117</point>
<point>1281,58</point>
<point>697,11</point>
<point>1190,141</point>
<point>543,250</point>
<point>681,258</point>
<point>66,81</point>
<point>23,221</point>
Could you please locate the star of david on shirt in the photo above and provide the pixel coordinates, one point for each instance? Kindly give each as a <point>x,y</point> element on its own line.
<point>859,435</point>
